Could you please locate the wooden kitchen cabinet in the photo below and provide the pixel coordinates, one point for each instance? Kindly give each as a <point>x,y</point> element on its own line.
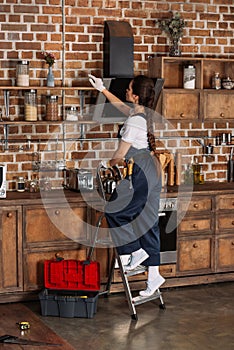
<point>195,239</point>
<point>225,233</point>
<point>200,103</point>
<point>49,231</point>
<point>195,255</point>
<point>180,105</point>
<point>11,269</point>
<point>218,106</point>
<point>225,253</point>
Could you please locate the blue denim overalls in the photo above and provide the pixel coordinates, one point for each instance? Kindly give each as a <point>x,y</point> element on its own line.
<point>132,214</point>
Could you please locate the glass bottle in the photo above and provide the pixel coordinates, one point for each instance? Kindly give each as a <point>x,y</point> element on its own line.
<point>196,172</point>
<point>22,73</point>
<point>202,177</point>
<point>51,107</point>
<point>30,105</point>
<point>20,184</point>
<point>216,81</point>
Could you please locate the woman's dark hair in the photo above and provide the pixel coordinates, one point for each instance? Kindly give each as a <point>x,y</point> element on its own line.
<point>143,87</point>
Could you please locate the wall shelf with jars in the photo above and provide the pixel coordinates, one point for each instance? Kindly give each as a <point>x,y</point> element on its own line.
<point>195,88</point>
<point>41,103</point>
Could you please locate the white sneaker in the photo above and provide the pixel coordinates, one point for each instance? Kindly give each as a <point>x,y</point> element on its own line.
<point>152,286</point>
<point>136,259</point>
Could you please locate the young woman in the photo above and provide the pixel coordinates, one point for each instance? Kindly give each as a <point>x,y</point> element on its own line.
<point>132,211</point>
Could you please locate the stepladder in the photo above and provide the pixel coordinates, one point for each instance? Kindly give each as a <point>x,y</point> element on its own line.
<point>133,301</point>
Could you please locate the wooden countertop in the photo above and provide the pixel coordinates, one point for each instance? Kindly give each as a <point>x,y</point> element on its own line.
<point>62,196</point>
<point>206,188</point>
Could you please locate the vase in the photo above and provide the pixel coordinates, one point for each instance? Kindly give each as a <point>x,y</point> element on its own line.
<point>50,77</point>
<point>174,48</point>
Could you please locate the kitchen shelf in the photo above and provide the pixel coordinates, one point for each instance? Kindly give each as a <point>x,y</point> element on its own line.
<point>203,102</point>
<point>78,88</point>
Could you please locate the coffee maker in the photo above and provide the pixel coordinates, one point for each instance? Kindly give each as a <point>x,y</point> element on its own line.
<point>2,181</point>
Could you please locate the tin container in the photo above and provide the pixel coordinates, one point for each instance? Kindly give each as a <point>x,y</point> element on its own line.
<point>22,73</point>
<point>189,77</point>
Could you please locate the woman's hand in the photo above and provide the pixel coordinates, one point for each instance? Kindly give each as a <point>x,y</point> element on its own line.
<point>97,83</point>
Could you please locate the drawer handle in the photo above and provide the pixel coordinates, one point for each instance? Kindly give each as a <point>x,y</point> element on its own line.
<point>195,245</point>
<point>195,226</point>
<point>9,215</point>
<point>222,115</point>
<point>57,212</point>
<point>196,205</point>
<point>182,115</point>
<point>232,243</point>
<point>232,222</point>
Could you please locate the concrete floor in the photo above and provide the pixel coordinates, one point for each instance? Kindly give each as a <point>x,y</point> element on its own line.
<point>196,318</point>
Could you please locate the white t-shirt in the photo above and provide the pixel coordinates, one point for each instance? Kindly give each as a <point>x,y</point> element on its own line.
<point>134,131</point>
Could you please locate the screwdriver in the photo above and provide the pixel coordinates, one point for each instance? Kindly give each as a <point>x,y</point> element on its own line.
<point>130,169</point>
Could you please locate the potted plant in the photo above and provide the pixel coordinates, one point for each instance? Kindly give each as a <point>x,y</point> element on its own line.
<point>174,27</point>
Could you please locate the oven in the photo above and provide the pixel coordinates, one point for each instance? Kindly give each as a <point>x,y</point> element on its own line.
<point>168,230</point>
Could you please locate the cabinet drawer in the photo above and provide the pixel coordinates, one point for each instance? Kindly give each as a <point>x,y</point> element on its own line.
<point>180,105</point>
<point>195,254</point>
<point>55,224</point>
<point>226,222</point>
<point>225,250</point>
<point>196,204</point>
<point>195,225</point>
<point>225,202</point>
<point>218,105</point>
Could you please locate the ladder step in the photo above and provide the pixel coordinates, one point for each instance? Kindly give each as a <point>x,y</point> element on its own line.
<point>139,269</point>
<point>140,300</point>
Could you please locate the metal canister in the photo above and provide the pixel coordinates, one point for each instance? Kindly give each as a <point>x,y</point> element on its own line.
<point>30,105</point>
<point>51,107</point>
<point>22,73</point>
<point>189,77</point>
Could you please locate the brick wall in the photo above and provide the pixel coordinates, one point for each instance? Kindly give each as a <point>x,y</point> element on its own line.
<point>74,33</point>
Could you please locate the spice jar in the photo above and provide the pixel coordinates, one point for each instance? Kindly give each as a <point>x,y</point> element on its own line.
<point>71,113</point>
<point>22,73</point>
<point>51,107</point>
<point>30,105</point>
<point>216,81</point>
<point>20,185</point>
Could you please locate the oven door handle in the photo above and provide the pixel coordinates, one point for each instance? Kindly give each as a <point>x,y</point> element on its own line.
<point>161,214</point>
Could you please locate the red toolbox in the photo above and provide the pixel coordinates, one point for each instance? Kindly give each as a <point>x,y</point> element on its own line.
<point>72,275</point>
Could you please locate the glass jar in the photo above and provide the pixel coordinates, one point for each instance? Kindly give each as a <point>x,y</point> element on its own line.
<point>51,107</point>
<point>216,81</point>
<point>22,73</point>
<point>71,113</point>
<point>20,185</point>
<point>30,105</point>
